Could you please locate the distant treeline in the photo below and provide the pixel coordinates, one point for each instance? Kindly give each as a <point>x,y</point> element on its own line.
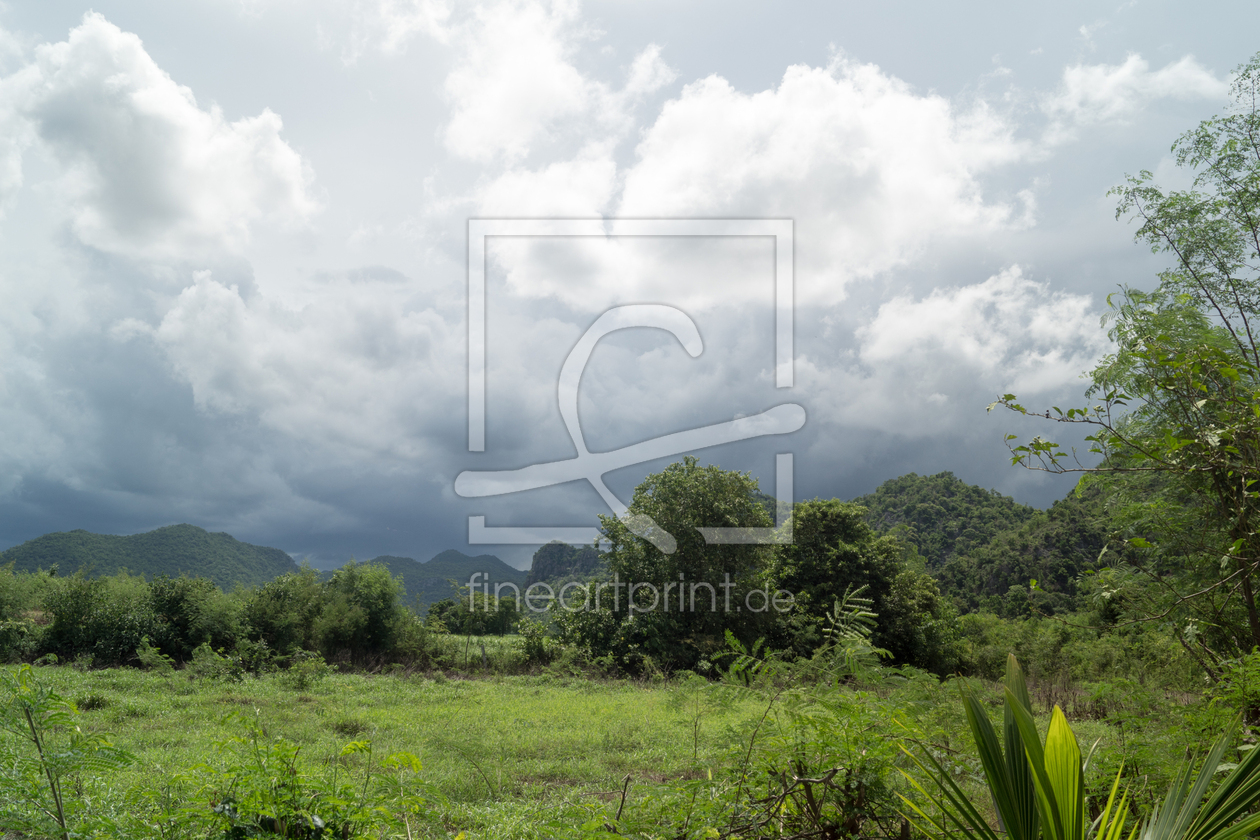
<point>922,551</point>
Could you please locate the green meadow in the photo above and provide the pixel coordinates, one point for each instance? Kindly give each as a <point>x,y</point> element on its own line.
<point>551,755</point>
<point>500,753</point>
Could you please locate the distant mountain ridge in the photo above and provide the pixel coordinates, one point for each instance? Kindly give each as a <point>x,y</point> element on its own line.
<point>985,549</point>
<point>188,550</point>
<point>173,550</point>
<point>428,582</point>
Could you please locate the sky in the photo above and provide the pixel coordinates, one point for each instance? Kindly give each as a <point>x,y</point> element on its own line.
<point>234,246</point>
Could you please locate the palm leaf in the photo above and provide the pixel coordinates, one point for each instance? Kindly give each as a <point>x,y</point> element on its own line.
<point>1183,815</point>
<point>1024,794</point>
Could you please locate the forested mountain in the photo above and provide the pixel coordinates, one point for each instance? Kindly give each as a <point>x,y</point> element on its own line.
<point>188,550</point>
<point>982,547</point>
<point>442,576</point>
<point>557,561</point>
<point>985,549</point>
<point>1053,547</point>
<point>173,550</point>
<point>941,515</point>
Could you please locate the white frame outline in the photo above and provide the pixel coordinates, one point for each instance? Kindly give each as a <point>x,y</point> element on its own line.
<point>782,230</point>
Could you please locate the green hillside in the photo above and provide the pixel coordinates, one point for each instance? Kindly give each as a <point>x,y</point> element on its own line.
<point>557,562</point>
<point>985,548</point>
<point>442,576</point>
<point>1052,547</point>
<point>942,515</point>
<point>173,550</point>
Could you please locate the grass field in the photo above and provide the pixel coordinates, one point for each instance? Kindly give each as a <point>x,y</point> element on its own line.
<point>501,751</point>
<point>540,756</point>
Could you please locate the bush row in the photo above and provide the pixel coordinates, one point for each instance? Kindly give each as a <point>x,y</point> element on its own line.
<point>356,616</point>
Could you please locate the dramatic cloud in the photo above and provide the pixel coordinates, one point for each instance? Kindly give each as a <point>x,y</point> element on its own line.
<point>514,84</point>
<point>146,172</point>
<point>356,370</point>
<point>871,171</point>
<point>172,349</point>
<point>949,352</point>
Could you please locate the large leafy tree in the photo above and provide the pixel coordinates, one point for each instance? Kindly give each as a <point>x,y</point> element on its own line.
<point>682,498</point>
<point>834,552</point>
<point>1174,411</point>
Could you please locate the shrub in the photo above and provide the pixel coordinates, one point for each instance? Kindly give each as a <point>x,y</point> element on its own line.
<point>19,639</point>
<point>153,659</point>
<point>207,663</point>
<point>533,642</point>
<point>306,668</point>
<point>46,749</point>
<point>104,619</point>
<point>282,613</point>
<point>362,613</point>
<point>190,611</point>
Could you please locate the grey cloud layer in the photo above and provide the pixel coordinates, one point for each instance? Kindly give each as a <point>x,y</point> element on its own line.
<point>154,374</point>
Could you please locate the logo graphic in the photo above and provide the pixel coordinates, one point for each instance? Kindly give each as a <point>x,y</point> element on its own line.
<point>593,466</point>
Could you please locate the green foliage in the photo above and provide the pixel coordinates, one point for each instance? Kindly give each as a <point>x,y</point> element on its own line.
<point>475,615</point>
<point>355,616</point>
<point>191,612</point>
<point>834,552</point>
<point>1067,650</point>
<point>153,659</point>
<point>1239,686</point>
<point>99,621</point>
<point>40,748</point>
<point>261,788</point>
<point>20,593</point>
<point>681,499</point>
<point>1038,788</point>
<point>534,643</point>
<point>283,612</point>
<point>208,664</point>
<point>361,614</point>
<point>1053,547</point>
<point>809,764</point>
<point>848,628</point>
<point>1178,398</point>
<point>305,670</point>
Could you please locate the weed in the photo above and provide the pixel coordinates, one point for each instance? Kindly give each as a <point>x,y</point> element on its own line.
<point>305,670</point>
<point>49,749</point>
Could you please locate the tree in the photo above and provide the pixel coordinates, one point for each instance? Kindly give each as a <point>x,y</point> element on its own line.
<point>362,613</point>
<point>714,582</point>
<point>834,551</point>
<point>282,613</point>
<point>1175,416</point>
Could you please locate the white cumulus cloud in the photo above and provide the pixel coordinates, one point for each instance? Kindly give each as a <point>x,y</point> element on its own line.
<point>1096,93</point>
<point>871,171</point>
<point>356,369</point>
<point>146,171</point>
<point>948,353</point>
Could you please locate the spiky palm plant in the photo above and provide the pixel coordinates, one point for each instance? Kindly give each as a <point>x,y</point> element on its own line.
<point>1038,787</point>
